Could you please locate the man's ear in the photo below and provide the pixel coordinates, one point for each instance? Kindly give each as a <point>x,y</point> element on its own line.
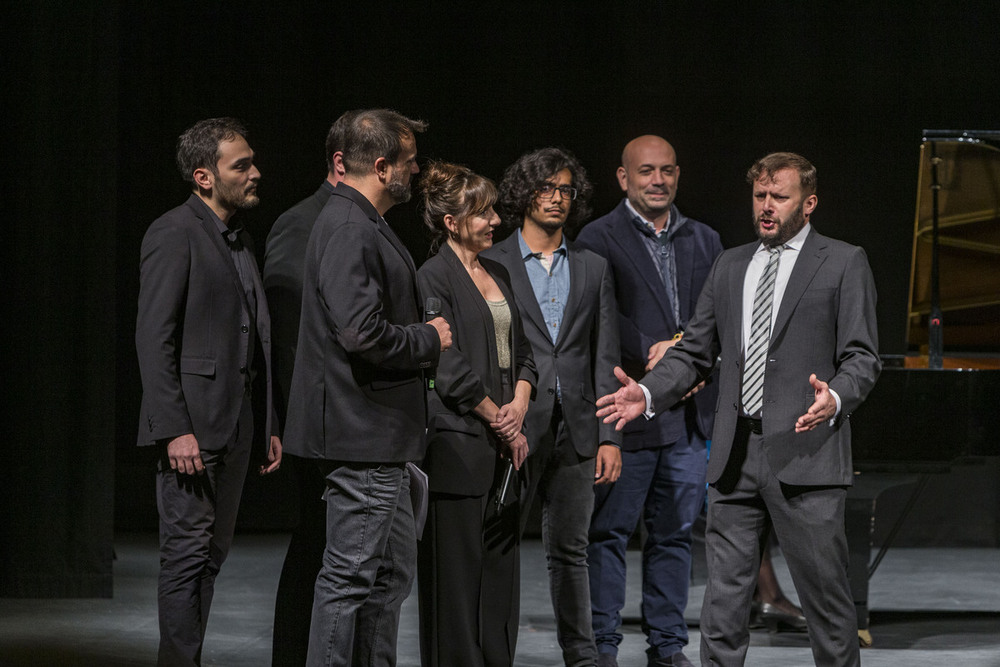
<point>204,178</point>
<point>338,164</point>
<point>382,169</point>
<point>809,205</point>
<point>622,179</point>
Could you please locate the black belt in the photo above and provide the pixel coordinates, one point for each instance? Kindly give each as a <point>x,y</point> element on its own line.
<point>750,424</point>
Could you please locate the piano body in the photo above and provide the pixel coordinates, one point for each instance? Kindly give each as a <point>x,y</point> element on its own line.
<point>927,410</point>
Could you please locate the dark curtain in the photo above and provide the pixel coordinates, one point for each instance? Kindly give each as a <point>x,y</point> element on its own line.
<point>59,333</point>
<point>95,95</point>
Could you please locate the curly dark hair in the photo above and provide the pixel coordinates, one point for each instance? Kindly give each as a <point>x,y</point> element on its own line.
<point>521,180</point>
<point>198,147</point>
<point>452,189</point>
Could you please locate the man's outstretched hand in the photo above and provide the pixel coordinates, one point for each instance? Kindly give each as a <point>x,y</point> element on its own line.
<point>822,410</point>
<point>624,405</point>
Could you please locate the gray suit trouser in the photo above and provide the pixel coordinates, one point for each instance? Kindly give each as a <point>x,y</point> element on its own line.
<point>809,524</point>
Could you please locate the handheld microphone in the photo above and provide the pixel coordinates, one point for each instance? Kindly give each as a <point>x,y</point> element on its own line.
<point>432,309</point>
<point>501,499</point>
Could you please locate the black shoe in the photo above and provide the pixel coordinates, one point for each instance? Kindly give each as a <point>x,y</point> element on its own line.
<point>756,622</point>
<point>676,660</point>
<point>776,620</point>
<point>606,660</point>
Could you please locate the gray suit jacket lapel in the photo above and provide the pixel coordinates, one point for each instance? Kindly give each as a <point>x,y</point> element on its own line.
<point>739,272</point>
<point>810,258</point>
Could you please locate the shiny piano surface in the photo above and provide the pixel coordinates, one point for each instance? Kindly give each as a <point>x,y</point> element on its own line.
<point>918,420</point>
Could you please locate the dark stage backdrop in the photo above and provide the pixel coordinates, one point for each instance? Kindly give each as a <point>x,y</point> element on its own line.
<point>848,85</point>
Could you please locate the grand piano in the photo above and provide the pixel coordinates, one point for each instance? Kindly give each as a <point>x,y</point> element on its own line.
<point>930,409</point>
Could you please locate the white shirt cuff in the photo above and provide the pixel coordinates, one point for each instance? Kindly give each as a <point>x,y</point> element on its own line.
<point>836,414</point>
<point>649,413</point>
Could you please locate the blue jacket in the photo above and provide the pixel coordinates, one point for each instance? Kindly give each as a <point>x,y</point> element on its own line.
<point>644,313</point>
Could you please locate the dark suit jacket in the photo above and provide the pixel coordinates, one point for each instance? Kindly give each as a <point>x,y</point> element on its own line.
<point>645,315</point>
<point>357,391</point>
<point>825,325</point>
<point>192,330</point>
<point>460,456</point>
<point>585,354</point>
<point>283,269</point>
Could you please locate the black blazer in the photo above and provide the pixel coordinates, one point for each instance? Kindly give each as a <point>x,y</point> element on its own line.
<point>192,330</point>
<point>645,315</point>
<point>284,255</point>
<point>357,390</point>
<point>586,352</point>
<point>461,457</point>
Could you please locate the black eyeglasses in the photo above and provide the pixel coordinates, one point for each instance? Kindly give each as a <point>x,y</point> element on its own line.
<point>548,191</point>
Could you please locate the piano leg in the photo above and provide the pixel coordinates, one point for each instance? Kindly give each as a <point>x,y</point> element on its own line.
<point>859,524</point>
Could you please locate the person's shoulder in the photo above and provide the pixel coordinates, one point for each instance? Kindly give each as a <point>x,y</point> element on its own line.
<point>305,209</point>
<point>585,255</point>
<point>493,265</point>
<point>832,244</point>
<point>502,250</point>
<point>598,232</point>
<point>179,219</point>
<point>301,216</point>
<point>699,227</point>
<point>343,213</point>
<point>605,222</point>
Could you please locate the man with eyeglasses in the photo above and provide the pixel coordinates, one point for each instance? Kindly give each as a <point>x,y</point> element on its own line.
<point>566,299</point>
<point>660,260</point>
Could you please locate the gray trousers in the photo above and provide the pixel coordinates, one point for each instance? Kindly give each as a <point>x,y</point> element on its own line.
<point>809,524</point>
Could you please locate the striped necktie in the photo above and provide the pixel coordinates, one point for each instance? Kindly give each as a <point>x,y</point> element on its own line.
<point>760,336</point>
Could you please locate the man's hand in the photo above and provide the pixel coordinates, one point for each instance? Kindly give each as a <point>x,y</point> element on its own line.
<point>608,465</point>
<point>443,331</point>
<point>273,455</point>
<point>657,350</point>
<point>820,411</point>
<point>185,455</point>
<point>625,404</point>
<point>517,449</point>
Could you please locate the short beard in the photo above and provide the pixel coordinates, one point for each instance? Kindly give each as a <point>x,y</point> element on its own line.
<point>399,191</point>
<point>235,199</point>
<point>786,231</point>
<point>551,226</point>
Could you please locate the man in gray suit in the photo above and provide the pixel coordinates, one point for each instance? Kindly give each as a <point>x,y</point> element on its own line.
<point>357,401</point>
<point>566,299</point>
<point>202,313</point>
<point>793,316</point>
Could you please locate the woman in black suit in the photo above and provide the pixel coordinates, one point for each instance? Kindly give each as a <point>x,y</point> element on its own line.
<point>468,567</point>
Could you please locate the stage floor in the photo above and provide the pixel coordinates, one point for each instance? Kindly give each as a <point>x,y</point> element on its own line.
<point>929,607</point>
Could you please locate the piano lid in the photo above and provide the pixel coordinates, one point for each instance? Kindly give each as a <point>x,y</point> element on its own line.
<point>969,240</point>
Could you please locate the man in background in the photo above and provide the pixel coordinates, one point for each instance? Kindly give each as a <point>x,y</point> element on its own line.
<point>566,298</point>
<point>284,260</point>
<point>660,259</point>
